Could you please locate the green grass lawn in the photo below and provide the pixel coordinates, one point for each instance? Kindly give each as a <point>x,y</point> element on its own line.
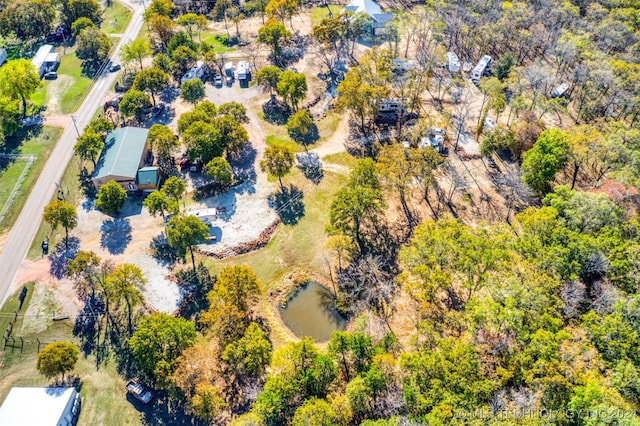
<point>40,146</point>
<point>273,140</point>
<point>216,40</point>
<point>73,194</point>
<point>72,66</point>
<point>115,18</point>
<point>319,13</point>
<point>103,394</point>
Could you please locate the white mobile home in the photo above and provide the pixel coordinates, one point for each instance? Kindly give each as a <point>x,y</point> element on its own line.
<point>481,68</point>
<point>40,406</point>
<point>46,59</point>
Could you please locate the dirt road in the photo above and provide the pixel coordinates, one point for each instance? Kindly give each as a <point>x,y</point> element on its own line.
<point>25,228</point>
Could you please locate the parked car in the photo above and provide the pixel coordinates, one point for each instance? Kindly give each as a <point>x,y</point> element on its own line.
<point>158,108</point>
<point>114,67</point>
<point>218,81</point>
<point>229,81</point>
<point>139,392</point>
<point>51,75</point>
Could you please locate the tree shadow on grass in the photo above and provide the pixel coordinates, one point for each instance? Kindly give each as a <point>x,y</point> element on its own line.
<point>162,252</point>
<point>61,256</point>
<point>116,235</point>
<point>310,138</point>
<point>86,326</point>
<point>288,204</point>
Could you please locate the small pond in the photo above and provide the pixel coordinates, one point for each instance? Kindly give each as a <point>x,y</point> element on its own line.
<point>312,312</point>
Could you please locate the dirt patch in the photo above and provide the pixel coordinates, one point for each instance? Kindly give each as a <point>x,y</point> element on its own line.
<point>39,315</point>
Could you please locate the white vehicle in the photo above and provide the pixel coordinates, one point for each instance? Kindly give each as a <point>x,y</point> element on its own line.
<point>560,90</point>
<point>453,63</point>
<point>139,392</point>
<point>196,71</point>
<point>243,70</point>
<point>481,68</point>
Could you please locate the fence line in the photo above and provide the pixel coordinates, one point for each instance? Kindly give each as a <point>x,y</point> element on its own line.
<point>30,160</point>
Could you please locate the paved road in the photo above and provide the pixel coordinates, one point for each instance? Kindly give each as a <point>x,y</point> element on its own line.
<point>25,228</point>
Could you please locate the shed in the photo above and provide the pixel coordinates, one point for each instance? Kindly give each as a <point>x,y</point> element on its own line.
<point>3,56</point>
<point>40,406</point>
<point>124,152</point>
<point>148,178</point>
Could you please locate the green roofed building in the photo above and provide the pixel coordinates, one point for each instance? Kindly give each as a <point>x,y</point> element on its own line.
<point>123,159</point>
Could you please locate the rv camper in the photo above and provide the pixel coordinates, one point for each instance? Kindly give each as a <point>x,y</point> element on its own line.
<point>559,91</point>
<point>244,75</point>
<point>481,69</point>
<point>196,71</point>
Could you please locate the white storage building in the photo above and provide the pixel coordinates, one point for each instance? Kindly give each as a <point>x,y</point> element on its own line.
<point>40,406</point>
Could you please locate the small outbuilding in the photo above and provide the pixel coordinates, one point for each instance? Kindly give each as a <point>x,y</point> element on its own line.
<point>123,158</point>
<point>40,406</point>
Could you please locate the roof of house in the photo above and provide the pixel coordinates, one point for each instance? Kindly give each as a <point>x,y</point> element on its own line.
<point>148,176</point>
<point>369,7</point>
<point>35,406</point>
<point>122,152</point>
<point>41,55</point>
<point>52,57</point>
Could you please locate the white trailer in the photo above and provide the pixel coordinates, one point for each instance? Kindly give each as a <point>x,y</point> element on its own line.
<point>196,71</point>
<point>481,68</point>
<point>453,63</point>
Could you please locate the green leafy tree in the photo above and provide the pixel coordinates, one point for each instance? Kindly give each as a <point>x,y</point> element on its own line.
<point>357,206</point>
<point>235,110</point>
<point>58,213</point>
<point>207,402</point>
<point>162,140</point>
<point>503,66</point>
<point>162,27</point>
<point>299,125</point>
<point>89,146</point>
<point>84,269</point>
<point>268,77</point>
<point>314,412</point>
<point>359,396</point>
<point>159,8</point>
<point>72,10</point>
<point>250,355</point>
<point>541,163</point>
<point>204,141</point>
<point>93,46</point>
<point>163,62</point>
<point>185,232</point>
<point>397,173</point>
<point>197,115</point>
<point>111,197</point>
<point>183,59</point>
<point>57,358</point>
<point>281,9</point>
<point>219,170</point>
<point>159,202</point>
<point>127,282</point>
<point>157,341</point>
<point>80,24</point>
<point>136,50</point>
<point>191,22</point>
<point>135,104</point>
<point>152,80</point>
<point>19,79</point>
<point>277,161</point>
<point>27,19</point>
<point>233,135</point>
<point>274,34</point>
<point>9,115</point>
<point>101,126</point>
<point>174,187</point>
<point>192,90</point>
<point>292,86</point>
<point>180,39</point>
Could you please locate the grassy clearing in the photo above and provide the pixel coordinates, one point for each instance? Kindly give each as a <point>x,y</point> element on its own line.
<point>217,41</point>
<point>73,194</point>
<point>328,125</point>
<point>293,246</point>
<point>104,399</point>
<point>342,158</point>
<point>39,145</point>
<point>115,18</point>
<point>72,66</point>
<point>319,13</point>
<point>273,140</point>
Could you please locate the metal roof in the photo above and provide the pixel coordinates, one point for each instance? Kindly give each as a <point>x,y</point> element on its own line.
<point>122,153</point>
<point>41,54</point>
<point>147,176</point>
<point>35,406</point>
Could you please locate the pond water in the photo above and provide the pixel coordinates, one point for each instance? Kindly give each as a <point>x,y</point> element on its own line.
<point>312,312</point>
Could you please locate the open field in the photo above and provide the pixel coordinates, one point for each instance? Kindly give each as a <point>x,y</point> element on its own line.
<point>115,18</point>
<point>102,389</point>
<point>39,146</point>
